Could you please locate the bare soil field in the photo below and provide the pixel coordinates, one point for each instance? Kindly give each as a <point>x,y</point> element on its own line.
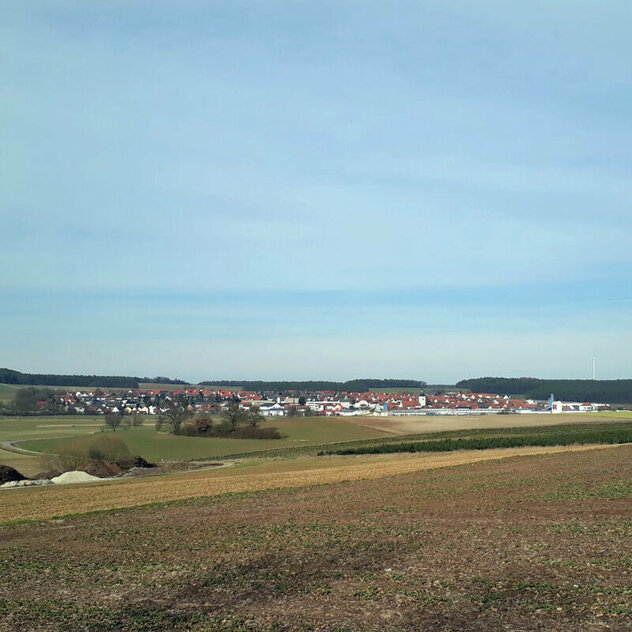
<point>35,503</point>
<point>541,542</point>
<point>447,423</point>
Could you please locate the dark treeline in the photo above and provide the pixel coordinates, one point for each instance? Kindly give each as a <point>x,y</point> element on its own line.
<point>351,386</point>
<point>603,391</point>
<point>8,376</point>
<point>160,380</point>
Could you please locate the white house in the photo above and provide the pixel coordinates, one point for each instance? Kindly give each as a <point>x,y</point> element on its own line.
<point>272,410</point>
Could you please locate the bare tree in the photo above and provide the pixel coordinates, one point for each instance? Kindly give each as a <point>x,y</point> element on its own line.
<point>234,415</point>
<point>175,415</point>
<point>113,420</point>
<point>137,419</point>
<point>254,418</point>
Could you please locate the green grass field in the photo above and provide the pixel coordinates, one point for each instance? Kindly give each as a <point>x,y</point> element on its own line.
<point>301,436</point>
<point>23,428</point>
<point>154,446</point>
<point>7,392</point>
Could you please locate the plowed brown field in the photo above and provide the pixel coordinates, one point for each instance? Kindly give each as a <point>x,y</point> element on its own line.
<point>47,502</point>
<point>540,542</point>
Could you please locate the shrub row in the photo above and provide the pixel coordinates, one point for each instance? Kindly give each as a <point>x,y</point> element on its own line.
<point>317,449</point>
<point>595,436</point>
<point>202,428</point>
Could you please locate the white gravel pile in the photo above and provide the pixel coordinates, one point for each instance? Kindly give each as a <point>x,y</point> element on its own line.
<point>26,483</point>
<point>74,477</point>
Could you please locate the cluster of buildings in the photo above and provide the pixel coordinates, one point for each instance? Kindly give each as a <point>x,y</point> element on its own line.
<point>403,404</point>
<point>269,404</point>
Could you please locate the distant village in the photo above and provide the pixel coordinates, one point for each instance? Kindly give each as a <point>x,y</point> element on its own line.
<point>269,404</point>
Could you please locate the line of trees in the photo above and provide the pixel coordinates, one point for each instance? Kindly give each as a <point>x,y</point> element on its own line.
<point>356,386</point>
<point>602,391</point>
<point>234,422</point>
<point>9,376</point>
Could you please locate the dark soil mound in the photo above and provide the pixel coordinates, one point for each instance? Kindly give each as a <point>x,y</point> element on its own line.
<point>47,474</point>
<point>102,469</point>
<point>9,474</point>
<point>133,461</point>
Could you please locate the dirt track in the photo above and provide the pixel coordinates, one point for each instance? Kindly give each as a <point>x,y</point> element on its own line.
<point>48,502</point>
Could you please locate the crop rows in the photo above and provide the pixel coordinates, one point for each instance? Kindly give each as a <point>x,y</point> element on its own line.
<point>343,447</point>
<point>548,437</point>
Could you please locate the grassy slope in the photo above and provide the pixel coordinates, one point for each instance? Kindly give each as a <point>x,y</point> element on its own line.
<point>24,428</point>
<point>163,446</point>
<point>28,465</point>
<point>42,434</point>
<point>7,392</point>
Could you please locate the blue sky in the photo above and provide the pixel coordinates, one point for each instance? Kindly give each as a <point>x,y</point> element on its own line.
<point>436,190</point>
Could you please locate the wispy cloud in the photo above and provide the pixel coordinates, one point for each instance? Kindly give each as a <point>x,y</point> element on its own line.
<point>236,173</point>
